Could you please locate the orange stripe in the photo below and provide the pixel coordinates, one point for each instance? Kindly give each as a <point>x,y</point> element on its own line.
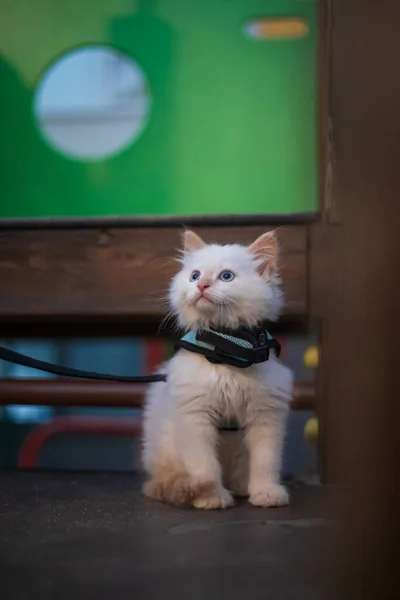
<point>276,28</point>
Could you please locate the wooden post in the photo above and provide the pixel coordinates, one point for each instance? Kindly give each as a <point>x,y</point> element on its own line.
<point>358,300</point>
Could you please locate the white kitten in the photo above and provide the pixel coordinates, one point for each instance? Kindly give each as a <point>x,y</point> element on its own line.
<point>188,461</point>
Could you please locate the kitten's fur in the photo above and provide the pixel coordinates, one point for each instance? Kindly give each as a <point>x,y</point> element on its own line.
<point>186,459</point>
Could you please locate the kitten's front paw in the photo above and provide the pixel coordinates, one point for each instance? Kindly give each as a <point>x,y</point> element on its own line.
<point>220,498</point>
<point>270,495</point>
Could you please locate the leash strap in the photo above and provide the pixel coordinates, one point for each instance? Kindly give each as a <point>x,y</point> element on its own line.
<point>241,348</point>
<point>34,363</point>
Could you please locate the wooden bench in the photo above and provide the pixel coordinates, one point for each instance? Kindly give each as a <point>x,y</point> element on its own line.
<point>112,282</point>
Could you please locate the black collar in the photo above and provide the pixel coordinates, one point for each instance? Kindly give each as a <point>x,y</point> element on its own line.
<point>241,348</point>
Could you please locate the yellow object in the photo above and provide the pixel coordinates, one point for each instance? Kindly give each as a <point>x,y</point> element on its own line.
<point>269,28</point>
<point>311,357</point>
<point>311,430</point>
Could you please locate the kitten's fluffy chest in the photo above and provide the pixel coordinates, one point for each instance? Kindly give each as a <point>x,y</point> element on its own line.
<point>197,384</point>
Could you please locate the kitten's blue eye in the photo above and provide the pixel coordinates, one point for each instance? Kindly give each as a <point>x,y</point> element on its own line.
<point>226,276</point>
<point>195,276</point>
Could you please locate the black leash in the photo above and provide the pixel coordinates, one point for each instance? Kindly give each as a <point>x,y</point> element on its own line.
<point>41,365</point>
<point>223,347</point>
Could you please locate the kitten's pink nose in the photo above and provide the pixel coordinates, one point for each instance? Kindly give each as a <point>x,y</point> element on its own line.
<point>202,287</point>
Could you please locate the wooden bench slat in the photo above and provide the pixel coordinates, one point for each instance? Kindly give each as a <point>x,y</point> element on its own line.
<point>59,392</point>
<point>117,272</point>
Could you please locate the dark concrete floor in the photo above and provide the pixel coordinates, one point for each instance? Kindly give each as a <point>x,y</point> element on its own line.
<point>95,536</point>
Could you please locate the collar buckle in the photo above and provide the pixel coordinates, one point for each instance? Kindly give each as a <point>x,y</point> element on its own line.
<point>261,353</point>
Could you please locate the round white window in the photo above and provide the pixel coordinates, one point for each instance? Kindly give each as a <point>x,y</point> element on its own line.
<point>92,103</point>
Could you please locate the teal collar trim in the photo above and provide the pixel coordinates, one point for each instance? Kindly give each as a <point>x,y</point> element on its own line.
<point>240,348</point>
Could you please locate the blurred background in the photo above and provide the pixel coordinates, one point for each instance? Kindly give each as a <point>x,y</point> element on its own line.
<point>158,107</point>
<point>122,120</point>
<point>132,109</point>
<point>20,425</point>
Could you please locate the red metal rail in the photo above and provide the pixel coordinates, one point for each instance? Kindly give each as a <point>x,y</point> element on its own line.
<point>35,440</point>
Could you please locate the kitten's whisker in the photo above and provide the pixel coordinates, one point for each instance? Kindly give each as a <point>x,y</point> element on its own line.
<point>175,327</point>
<point>161,300</point>
<point>165,321</point>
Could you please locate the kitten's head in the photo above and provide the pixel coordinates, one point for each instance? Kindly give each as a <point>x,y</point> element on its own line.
<point>227,286</point>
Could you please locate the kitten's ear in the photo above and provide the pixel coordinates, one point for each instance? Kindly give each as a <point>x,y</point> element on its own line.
<point>192,241</point>
<point>265,249</point>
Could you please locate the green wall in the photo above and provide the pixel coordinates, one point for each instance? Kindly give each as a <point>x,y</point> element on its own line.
<point>232,128</point>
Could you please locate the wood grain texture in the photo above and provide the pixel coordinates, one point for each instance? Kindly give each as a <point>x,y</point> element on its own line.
<point>117,272</point>
<point>359,301</point>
